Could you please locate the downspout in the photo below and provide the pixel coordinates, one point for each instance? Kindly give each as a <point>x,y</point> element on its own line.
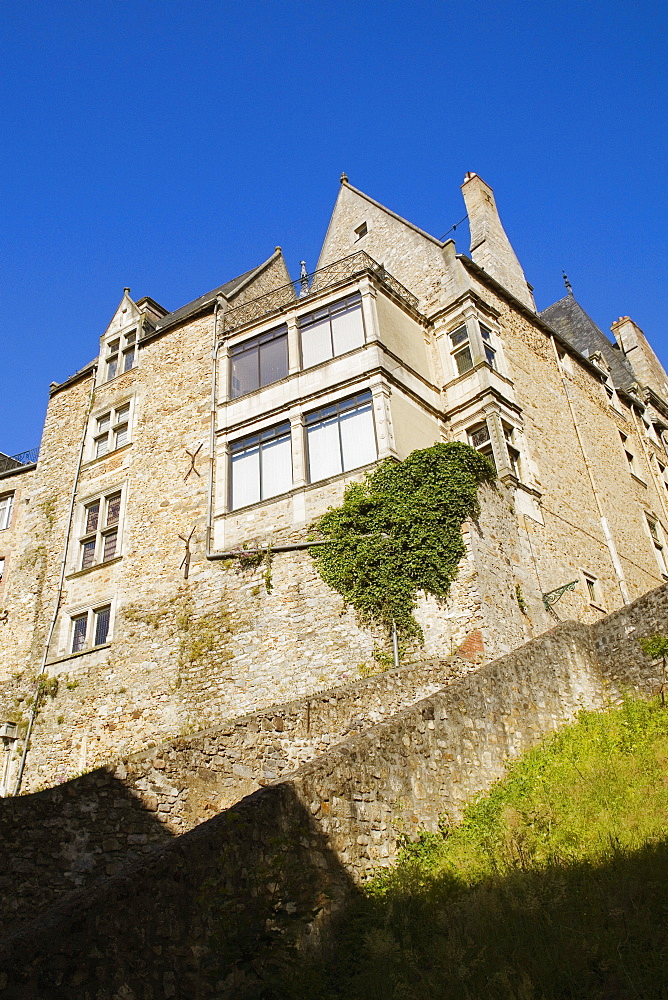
<point>59,593</point>
<point>215,347</point>
<point>619,572</point>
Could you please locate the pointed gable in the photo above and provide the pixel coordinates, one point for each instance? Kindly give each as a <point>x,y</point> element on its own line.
<point>570,321</point>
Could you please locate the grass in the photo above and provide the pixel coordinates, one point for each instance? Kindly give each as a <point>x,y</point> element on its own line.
<point>554,886</point>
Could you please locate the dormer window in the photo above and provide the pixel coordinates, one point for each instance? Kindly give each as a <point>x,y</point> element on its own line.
<point>121,354</point>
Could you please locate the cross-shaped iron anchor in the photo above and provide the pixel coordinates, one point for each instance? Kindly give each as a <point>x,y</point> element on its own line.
<point>192,455</point>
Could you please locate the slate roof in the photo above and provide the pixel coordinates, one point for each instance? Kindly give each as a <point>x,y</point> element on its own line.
<point>192,307</point>
<point>570,321</point>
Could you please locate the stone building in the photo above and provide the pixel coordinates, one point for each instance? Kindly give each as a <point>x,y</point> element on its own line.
<point>237,419</point>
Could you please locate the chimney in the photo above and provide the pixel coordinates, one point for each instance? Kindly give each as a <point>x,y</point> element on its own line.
<point>490,247</point>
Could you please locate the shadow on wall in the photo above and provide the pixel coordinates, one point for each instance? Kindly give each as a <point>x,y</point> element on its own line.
<point>218,912</point>
<point>56,840</point>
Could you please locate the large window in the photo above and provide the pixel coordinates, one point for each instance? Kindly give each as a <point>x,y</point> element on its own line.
<point>261,466</point>
<point>111,430</point>
<point>461,350</point>
<point>258,361</point>
<point>341,437</point>
<point>90,629</point>
<point>98,542</point>
<point>6,504</point>
<point>331,331</point>
<point>121,354</point>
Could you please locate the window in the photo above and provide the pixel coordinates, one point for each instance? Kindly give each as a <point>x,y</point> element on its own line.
<point>258,361</point>
<point>6,504</point>
<point>341,437</point>
<point>480,440</point>
<point>99,541</point>
<point>261,466</point>
<point>2,568</point>
<point>656,534</point>
<point>662,474</point>
<point>331,331</point>
<point>490,353</point>
<point>591,584</point>
<point>121,353</point>
<point>630,457</point>
<point>361,231</point>
<point>510,435</point>
<point>93,624</point>
<point>111,430</point>
<point>461,350</point>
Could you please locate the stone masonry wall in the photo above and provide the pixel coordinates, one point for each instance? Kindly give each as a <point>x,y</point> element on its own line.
<point>167,926</point>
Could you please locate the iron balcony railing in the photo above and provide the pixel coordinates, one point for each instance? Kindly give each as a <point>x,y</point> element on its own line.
<point>340,272</point>
<point>9,462</point>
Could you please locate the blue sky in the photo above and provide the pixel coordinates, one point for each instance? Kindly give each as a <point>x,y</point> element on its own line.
<point>170,146</point>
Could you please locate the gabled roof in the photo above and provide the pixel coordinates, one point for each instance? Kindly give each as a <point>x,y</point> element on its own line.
<point>570,320</point>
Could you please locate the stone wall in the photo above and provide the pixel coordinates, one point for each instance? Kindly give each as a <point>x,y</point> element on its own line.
<point>192,919</point>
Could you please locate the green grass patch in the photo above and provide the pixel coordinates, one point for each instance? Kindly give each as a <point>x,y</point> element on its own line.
<point>554,886</point>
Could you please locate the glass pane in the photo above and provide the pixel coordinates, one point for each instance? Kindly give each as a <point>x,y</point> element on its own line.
<point>128,359</point>
<point>92,517</point>
<point>358,440</point>
<point>459,336</point>
<point>324,450</point>
<point>101,446</point>
<point>6,511</point>
<point>88,554</point>
<point>2,568</point>
<point>276,467</point>
<point>244,375</point>
<point>347,330</point>
<point>121,435</point>
<point>113,509</point>
<point>245,477</point>
<point>490,356</point>
<point>111,368</point>
<point>122,413</point>
<point>464,361</point>
<point>79,633</point>
<point>316,344</point>
<point>103,423</point>
<point>486,334</point>
<point>130,337</point>
<point>102,625</point>
<point>113,347</point>
<point>110,546</point>
<point>274,360</point>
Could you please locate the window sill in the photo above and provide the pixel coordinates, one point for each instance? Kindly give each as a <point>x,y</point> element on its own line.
<point>82,652</point>
<point>107,454</point>
<point>91,569</point>
<point>116,377</point>
<point>598,607</point>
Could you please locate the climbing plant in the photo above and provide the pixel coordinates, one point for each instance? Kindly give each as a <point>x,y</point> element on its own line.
<point>399,531</point>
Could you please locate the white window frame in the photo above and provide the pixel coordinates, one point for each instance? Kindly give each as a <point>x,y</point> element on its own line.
<point>328,313</point>
<point>116,422</point>
<point>120,352</point>
<point>6,508</point>
<point>94,533</point>
<point>260,440</point>
<point>338,410</point>
<point>255,344</point>
<point>658,539</point>
<point>91,618</point>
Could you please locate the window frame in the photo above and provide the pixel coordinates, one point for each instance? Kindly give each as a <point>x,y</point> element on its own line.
<point>460,348</point>
<point>120,352</point>
<point>264,438</point>
<point>83,640</point>
<point>658,540</point>
<point>255,344</point>
<point>348,303</point>
<point>338,408</point>
<point>94,536</point>
<point>6,513</point>
<point>114,426</point>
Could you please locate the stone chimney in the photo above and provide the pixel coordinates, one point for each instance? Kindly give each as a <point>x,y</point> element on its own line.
<point>490,247</point>
<point>634,344</point>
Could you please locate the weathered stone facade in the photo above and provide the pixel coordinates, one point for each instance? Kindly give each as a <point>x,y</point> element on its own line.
<point>124,623</point>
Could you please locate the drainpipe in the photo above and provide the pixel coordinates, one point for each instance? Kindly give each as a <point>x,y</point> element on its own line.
<point>59,593</point>
<point>617,566</point>
<point>221,301</point>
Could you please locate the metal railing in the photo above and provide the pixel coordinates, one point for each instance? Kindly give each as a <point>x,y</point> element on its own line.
<point>10,462</point>
<point>300,290</point>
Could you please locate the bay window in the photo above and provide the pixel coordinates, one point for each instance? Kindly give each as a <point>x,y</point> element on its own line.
<point>260,466</point>
<point>332,330</point>
<point>341,437</point>
<point>258,361</point>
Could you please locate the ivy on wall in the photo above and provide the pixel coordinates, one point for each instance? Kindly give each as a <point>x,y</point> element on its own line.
<point>399,532</point>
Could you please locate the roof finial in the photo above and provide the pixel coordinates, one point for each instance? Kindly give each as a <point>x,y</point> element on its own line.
<point>567,283</point>
<point>344,177</point>
<point>303,278</point>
